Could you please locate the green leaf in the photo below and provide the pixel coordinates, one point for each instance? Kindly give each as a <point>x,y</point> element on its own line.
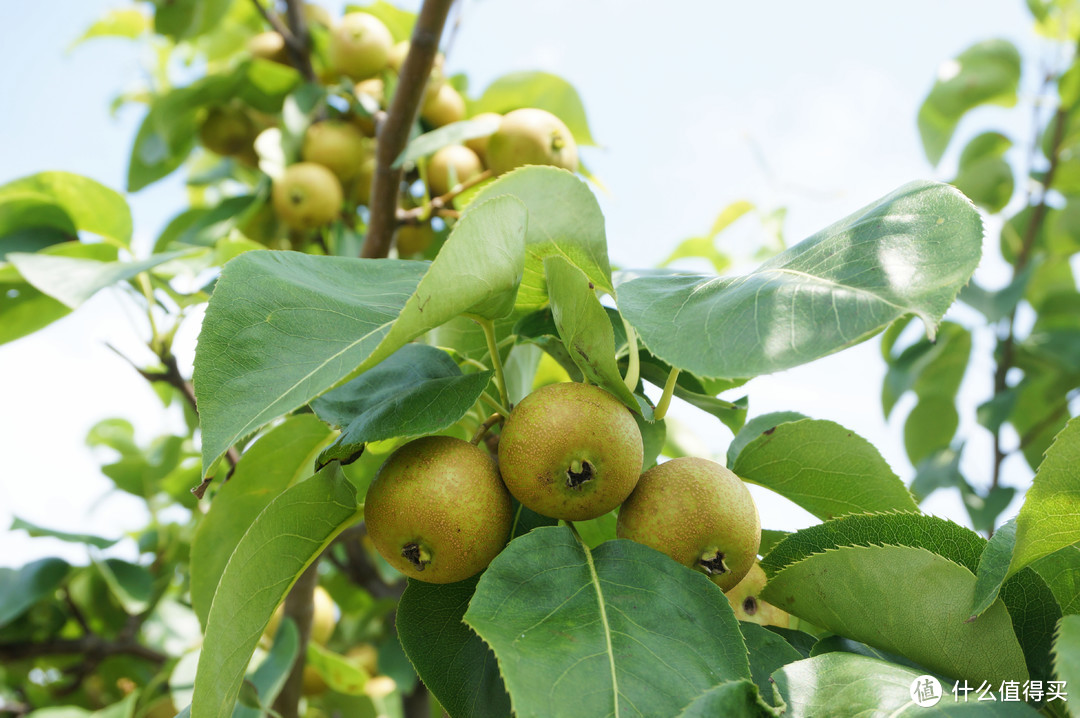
<point>768,653</point>
<point>930,369</point>
<point>993,567</point>
<point>127,22</point>
<point>72,280</point>
<point>20,588</point>
<point>832,643</point>
<point>340,675</point>
<point>705,247</point>
<point>585,328</point>
<point>738,699</point>
<point>877,594</point>
<point>284,455</point>
<point>399,22</point>
<point>622,628</point>
<point>849,684</point>
<point>1061,571</point>
<point>282,542</point>
<point>999,303</point>
<point>132,584</point>
<point>824,468</point>
<point>988,72</point>
<point>1050,517</point>
<point>38,531</point>
<point>454,663</point>
<point>695,391</point>
<point>756,427</point>
<point>564,220</point>
<point>1030,603</point>
<point>454,133</point>
<point>283,327</point>
<point>1067,655</point>
<point>186,19</point>
<point>91,207</point>
<point>908,253</point>
<point>537,89</point>
<point>418,390</point>
<point>930,427</point>
<point>985,175</point>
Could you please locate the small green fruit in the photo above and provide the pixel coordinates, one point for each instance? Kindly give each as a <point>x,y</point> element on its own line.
<point>360,45</point>
<point>269,46</point>
<point>570,451</point>
<point>698,513</point>
<point>336,145</point>
<point>443,106</point>
<point>307,196</point>
<point>748,607</point>
<point>397,55</point>
<point>323,619</point>
<point>437,510</point>
<point>413,239</point>
<point>531,137</point>
<point>227,130</point>
<point>450,167</point>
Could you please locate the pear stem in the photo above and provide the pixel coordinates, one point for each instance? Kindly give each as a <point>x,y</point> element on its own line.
<point>633,369</point>
<point>496,362</point>
<point>494,404</point>
<point>665,399</point>
<point>485,428</point>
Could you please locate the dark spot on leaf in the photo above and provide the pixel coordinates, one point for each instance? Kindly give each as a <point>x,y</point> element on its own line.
<point>769,431</point>
<point>591,286</point>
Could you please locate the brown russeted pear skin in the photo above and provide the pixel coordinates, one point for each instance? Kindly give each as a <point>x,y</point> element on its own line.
<point>698,513</point>
<point>437,510</point>
<point>570,451</point>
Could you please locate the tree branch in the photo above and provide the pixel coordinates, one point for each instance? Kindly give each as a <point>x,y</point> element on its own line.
<point>295,35</point>
<point>393,133</point>
<point>92,646</point>
<point>300,607</point>
<point>438,204</point>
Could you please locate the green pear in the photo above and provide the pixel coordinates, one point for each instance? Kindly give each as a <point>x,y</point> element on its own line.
<point>307,196</point>
<point>531,137</point>
<point>451,166</point>
<point>360,45</point>
<point>744,601</point>
<point>437,510</point>
<point>698,513</point>
<point>570,451</point>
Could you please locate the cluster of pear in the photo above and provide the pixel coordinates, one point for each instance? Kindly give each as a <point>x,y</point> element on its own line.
<point>337,157</point>
<point>439,509</point>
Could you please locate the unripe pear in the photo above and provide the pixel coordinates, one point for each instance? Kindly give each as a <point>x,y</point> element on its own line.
<point>269,46</point>
<point>748,607</point>
<point>437,510</point>
<point>531,137</point>
<point>443,106</point>
<point>336,145</point>
<point>570,451</point>
<point>323,617</point>
<point>479,144</point>
<point>397,55</point>
<point>698,513</point>
<point>360,45</point>
<point>364,178</point>
<point>451,166</point>
<point>227,130</point>
<point>413,239</point>
<point>307,196</point>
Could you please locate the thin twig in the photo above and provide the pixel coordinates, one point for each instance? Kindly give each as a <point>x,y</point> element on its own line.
<point>275,22</point>
<point>92,646</point>
<point>393,133</point>
<point>438,205</point>
<point>301,51</point>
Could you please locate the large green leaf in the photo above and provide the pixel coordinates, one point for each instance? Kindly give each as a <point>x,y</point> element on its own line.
<point>285,455</point>
<point>619,629</point>
<point>282,542</point>
<point>908,253</point>
<point>283,327</point>
<point>584,328</point>
<point>564,220</point>
<point>418,390</point>
<point>1050,517</point>
<point>454,663</point>
<point>755,428</point>
<point>1030,603</point>
<point>91,207</point>
<point>538,89</point>
<point>824,468</point>
<point>72,280</point>
<point>768,652</point>
<point>34,530</point>
<point>904,600</point>
<point>987,72</point>
<point>20,588</point>
<point>851,685</point>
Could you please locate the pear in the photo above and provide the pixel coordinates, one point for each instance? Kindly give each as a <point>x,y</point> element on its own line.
<point>698,513</point>
<point>337,145</point>
<point>748,607</point>
<point>360,45</point>
<point>451,166</point>
<point>437,510</point>
<point>531,137</point>
<point>570,451</point>
<point>307,196</point>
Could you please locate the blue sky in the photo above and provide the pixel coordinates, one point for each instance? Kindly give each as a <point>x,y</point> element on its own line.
<point>810,106</point>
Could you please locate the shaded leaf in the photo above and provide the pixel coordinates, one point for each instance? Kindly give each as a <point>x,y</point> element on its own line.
<point>36,531</point>
<point>1067,655</point>
<point>739,699</point>
<point>768,653</point>
<point>21,587</point>
<point>1061,571</point>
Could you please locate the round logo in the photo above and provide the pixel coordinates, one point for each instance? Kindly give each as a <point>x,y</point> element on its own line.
<point>925,691</point>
